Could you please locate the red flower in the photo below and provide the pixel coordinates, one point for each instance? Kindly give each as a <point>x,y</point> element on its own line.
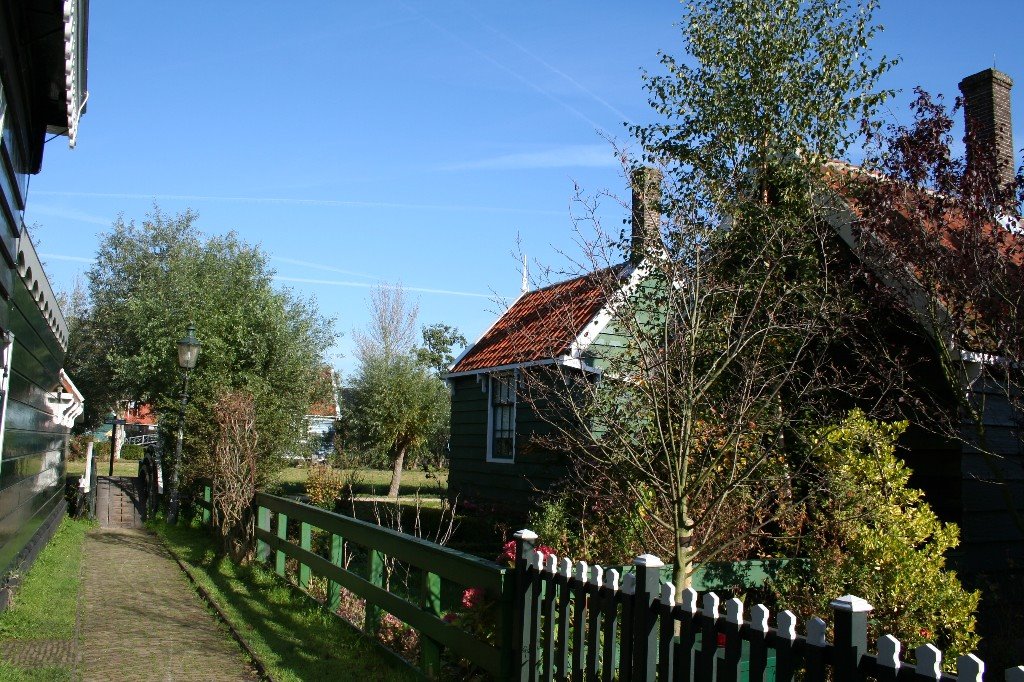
<point>925,633</point>
<point>472,597</point>
<point>508,553</point>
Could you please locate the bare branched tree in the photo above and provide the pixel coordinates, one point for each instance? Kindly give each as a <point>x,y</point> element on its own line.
<point>234,469</point>
<point>392,330</point>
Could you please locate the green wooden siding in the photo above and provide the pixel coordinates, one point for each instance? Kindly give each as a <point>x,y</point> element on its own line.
<point>32,461</point>
<point>470,475</point>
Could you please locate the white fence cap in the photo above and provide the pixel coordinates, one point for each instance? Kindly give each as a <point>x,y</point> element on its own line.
<point>648,560</point>
<point>851,603</point>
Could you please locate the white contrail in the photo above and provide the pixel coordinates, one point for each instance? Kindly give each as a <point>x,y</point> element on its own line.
<point>372,285</point>
<point>74,259</point>
<point>512,72</point>
<point>67,214</point>
<point>551,68</point>
<point>299,202</point>
<point>328,268</point>
<point>307,280</point>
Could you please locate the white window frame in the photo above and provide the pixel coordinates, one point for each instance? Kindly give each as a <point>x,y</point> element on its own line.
<point>490,415</point>
<point>7,351</point>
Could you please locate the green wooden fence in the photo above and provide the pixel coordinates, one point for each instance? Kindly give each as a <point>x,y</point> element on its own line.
<point>420,607</point>
<point>566,620</point>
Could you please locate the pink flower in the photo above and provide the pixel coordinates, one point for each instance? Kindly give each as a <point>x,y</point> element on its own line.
<point>472,597</point>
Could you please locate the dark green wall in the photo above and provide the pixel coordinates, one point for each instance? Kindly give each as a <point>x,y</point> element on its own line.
<point>32,461</point>
<point>471,476</point>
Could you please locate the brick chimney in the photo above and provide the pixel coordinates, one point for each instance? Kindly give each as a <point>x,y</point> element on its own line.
<point>646,183</point>
<point>987,114</point>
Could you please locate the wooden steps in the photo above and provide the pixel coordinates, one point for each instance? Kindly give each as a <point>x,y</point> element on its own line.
<point>117,502</point>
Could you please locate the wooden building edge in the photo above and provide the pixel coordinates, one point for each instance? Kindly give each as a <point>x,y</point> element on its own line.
<point>43,45</point>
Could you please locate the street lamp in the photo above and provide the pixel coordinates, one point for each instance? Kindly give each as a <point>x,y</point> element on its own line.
<point>188,353</point>
<point>114,423</point>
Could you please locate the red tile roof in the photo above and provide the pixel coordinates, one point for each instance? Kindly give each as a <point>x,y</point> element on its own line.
<point>541,324</point>
<point>142,414</point>
<point>326,405</point>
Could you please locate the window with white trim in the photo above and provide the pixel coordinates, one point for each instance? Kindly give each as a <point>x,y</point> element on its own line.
<point>501,417</point>
<point>6,348</point>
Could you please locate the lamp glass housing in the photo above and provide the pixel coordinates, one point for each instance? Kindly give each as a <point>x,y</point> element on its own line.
<point>188,349</point>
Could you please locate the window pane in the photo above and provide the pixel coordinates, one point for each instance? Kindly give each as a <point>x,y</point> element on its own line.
<point>503,400</point>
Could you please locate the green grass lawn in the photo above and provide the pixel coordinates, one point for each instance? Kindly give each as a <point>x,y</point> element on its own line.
<point>295,637</point>
<point>45,605</point>
<point>292,480</point>
<point>122,467</point>
<point>372,482</point>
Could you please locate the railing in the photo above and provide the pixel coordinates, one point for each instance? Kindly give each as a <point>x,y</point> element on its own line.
<point>420,607</point>
<point>575,622</point>
<point>560,620</point>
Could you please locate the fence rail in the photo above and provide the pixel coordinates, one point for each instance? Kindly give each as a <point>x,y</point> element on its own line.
<point>579,622</point>
<point>565,620</point>
<point>434,563</point>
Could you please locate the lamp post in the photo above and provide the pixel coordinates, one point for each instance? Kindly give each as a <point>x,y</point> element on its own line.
<point>188,353</point>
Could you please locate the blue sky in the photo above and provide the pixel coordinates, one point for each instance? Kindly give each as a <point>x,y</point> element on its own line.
<point>421,143</point>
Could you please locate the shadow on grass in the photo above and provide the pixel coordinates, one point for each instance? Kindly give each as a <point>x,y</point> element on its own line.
<point>294,635</point>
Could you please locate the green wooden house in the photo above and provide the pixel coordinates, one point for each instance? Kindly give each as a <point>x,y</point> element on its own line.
<point>568,325</point>
<point>42,93</point>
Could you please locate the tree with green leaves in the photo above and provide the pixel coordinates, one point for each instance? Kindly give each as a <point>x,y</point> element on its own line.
<point>438,341</point>
<point>723,359</point>
<point>398,402</point>
<point>872,535</point>
<point>151,279</point>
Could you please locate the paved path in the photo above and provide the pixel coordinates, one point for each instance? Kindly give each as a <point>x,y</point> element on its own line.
<point>140,619</point>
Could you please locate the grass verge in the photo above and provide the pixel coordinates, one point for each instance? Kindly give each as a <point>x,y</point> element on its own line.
<point>293,637</point>
<point>372,482</point>
<point>44,607</point>
<point>122,467</point>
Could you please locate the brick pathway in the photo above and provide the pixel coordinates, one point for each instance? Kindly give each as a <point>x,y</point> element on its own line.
<point>139,619</point>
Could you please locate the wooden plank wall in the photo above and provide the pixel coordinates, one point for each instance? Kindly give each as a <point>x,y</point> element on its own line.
<point>471,476</point>
<point>990,537</point>
<point>32,461</point>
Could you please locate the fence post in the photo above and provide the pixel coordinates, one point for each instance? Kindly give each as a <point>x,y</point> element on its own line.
<point>263,523</point>
<point>208,498</point>
<point>375,574</point>
<point>524,604</point>
<point>430,650</point>
<point>333,588</point>
<point>306,542</point>
<point>850,641</point>
<point>645,634</point>
<point>282,532</point>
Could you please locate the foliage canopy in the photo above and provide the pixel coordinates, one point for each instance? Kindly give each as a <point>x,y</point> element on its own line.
<point>150,280</point>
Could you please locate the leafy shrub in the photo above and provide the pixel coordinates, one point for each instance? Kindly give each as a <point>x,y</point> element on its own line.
<point>607,527</point>
<point>78,445</point>
<point>132,453</point>
<point>873,536</point>
<point>323,485</point>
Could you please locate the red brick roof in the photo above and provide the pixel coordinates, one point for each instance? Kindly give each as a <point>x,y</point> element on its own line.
<point>326,405</point>
<point>141,414</point>
<point>541,324</point>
